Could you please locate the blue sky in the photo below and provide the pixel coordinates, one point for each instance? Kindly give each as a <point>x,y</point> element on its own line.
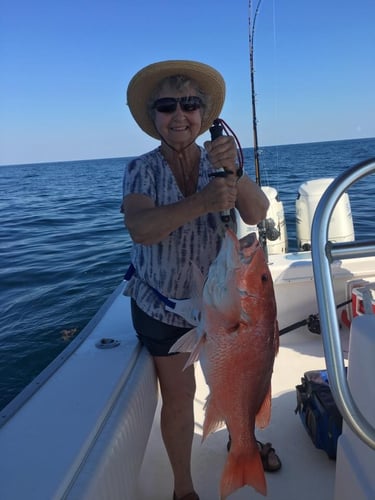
<point>65,67</point>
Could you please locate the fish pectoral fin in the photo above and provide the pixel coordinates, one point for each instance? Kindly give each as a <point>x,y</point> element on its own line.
<point>263,416</point>
<point>189,343</point>
<point>186,343</point>
<point>196,352</point>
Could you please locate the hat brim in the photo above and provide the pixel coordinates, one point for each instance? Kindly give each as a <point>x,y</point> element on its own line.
<point>143,84</point>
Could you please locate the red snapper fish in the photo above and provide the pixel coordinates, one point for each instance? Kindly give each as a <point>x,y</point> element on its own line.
<point>238,337</point>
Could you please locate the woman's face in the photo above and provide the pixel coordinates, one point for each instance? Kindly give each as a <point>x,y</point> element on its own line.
<point>178,128</point>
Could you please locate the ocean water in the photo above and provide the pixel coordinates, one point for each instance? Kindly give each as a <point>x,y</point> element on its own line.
<point>64,248</point>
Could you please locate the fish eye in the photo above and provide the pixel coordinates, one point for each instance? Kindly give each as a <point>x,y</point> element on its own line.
<point>264,277</point>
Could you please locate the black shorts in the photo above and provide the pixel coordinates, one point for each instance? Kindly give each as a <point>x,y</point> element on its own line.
<point>156,336</point>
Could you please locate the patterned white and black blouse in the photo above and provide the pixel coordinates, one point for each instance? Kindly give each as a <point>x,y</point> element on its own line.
<point>166,266</point>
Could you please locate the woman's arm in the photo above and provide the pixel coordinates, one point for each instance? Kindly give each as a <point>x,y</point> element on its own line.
<point>251,202</point>
<point>149,224</point>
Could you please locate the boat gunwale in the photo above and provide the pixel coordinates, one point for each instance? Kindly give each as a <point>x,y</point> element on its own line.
<point>20,399</point>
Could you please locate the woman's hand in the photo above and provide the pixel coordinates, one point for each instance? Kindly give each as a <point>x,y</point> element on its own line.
<point>220,194</point>
<point>222,153</point>
<point>249,198</point>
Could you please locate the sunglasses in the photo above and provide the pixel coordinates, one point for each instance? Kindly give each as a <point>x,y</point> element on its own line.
<point>169,104</point>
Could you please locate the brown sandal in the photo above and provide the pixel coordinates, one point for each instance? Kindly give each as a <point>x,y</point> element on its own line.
<point>270,460</point>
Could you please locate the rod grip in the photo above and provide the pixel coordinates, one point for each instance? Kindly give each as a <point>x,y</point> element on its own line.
<point>216,131</point>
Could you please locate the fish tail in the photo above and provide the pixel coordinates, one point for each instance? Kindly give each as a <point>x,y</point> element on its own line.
<point>241,470</point>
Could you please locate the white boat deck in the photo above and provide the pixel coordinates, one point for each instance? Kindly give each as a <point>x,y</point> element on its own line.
<point>306,472</point>
<point>82,434</point>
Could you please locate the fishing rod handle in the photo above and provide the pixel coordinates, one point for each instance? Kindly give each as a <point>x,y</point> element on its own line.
<point>216,131</point>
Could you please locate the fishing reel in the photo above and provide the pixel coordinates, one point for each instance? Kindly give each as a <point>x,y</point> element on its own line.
<point>313,324</point>
<point>272,233</point>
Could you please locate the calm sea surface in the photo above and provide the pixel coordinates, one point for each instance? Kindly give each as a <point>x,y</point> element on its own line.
<point>63,246</point>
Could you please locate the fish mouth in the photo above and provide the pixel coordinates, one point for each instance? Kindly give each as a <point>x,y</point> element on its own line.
<point>248,241</point>
<point>249,246</point>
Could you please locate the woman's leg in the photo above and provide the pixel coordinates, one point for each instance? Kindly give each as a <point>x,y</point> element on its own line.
<point>177,416</point>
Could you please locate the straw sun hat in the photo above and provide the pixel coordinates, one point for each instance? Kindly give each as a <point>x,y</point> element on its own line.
<point>143,84</point>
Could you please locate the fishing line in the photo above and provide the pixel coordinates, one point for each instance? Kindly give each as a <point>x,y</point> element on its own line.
<point>228,130</point>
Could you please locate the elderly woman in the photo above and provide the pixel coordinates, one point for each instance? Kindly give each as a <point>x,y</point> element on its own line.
<point>172,211</point>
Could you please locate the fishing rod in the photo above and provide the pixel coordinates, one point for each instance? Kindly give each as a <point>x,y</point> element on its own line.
<point>312,322</point>
<point>262,225</point>
<point>252,81</point>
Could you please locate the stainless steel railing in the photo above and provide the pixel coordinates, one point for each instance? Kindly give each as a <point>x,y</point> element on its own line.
<point>323,253</point>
